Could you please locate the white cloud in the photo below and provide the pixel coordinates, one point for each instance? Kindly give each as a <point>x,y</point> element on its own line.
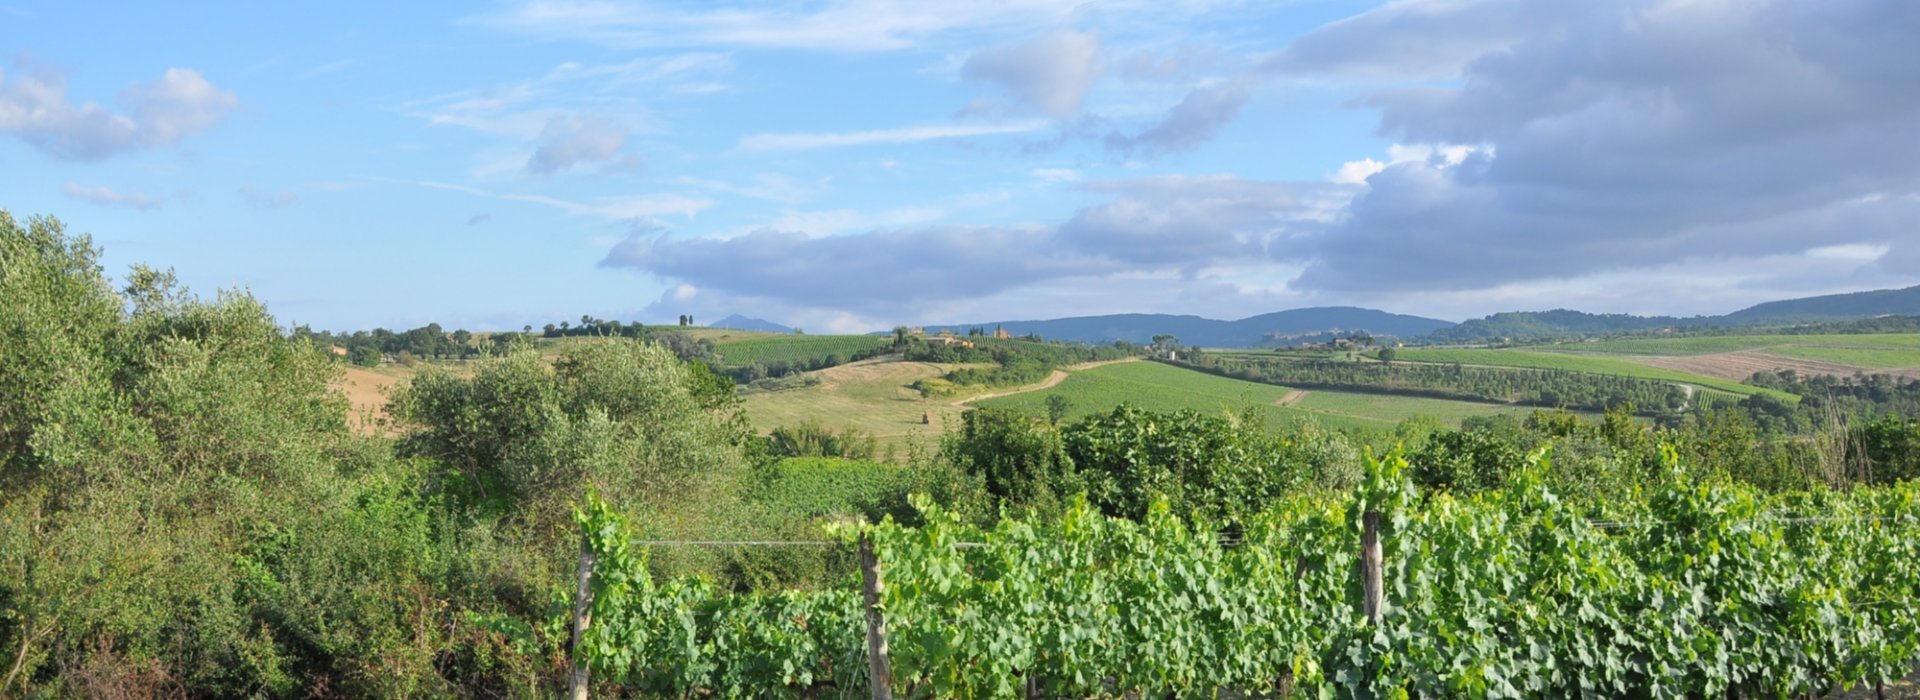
<point>910,134</point>
<point>1056,174</point>
<point>108,198</point>
<point>34,108</point>
<point>1356,172</point>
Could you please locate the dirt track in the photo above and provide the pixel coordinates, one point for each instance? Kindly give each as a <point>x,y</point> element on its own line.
<point>1741,365</point>
<point>1052,380</point>
<point>1293,396</point>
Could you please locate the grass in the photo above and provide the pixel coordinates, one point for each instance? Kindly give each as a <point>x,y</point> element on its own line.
<point>1393,409</point>
<point>794,348</point>
<point>1870,358</point>
<point>1159,387</point>
<point>1707,345</point>
<point>871,396</point>
<point>1573,363</point>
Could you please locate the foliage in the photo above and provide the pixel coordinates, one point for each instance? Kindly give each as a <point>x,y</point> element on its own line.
<point>1692,591</point>
<point>810,439</point>
<point>1018,459</point>
<point>182,508</point>
<point>1536,387</point>
<point>805,350</point>
<point>1590,364</point>
<point>1015,362</point>
<point>1198,464</point>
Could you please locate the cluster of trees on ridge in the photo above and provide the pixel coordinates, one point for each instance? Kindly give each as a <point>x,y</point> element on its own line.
<point>184,511</point>
<point>1014,362</point>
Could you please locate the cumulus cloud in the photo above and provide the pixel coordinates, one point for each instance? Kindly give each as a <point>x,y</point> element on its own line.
<point>105,197</point>
<point>1052,72</point>
<point>1193,221</point>
<point>266,199</point>
<point>573,140</point>
<point>1643,133</point>
<point>877,271</point>
<point>34,107</point>
<point>1194,121</point>
<point>1174,227</point>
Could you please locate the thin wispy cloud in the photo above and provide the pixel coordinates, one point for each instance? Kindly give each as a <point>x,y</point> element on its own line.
<point>909,134</point>
<point>616,208</point>
<point>837,26</point>
<point>106,197</point>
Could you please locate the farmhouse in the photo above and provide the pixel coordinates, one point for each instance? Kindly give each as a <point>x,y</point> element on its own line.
<point>337,351</point>
<point>949,341</point>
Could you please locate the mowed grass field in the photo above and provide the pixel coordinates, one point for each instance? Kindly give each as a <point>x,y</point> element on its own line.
<point>1575,363</point>
<point>872,396</point>
<point>794,348</point>
<point>1159,387</point>
<point>1884,350</point>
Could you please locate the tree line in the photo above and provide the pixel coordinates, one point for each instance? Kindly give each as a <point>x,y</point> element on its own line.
<point>1549,388</point>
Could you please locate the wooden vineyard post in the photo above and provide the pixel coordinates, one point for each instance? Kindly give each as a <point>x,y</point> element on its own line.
<point>1284,685</point>
<point>582,617</point>
<point>1371,563</point>
<point>879,670</point>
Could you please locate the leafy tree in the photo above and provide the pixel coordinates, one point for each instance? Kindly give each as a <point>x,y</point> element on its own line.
<point>1057,406</point>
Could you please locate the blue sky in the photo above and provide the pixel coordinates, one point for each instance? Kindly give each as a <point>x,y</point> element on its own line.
<point>851,165</point>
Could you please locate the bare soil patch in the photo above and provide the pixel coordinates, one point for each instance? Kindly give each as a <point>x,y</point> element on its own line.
<point>1742,364</point>
<point>1293,396</point>
<point>367,399</point>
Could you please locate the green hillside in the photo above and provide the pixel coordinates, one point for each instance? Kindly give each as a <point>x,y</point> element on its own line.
<point>794,348</point>
<point>1575,363</point>
<point>1160,387</point>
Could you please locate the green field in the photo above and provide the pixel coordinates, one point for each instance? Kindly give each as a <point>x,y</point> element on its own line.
<point>1871,358</point>
<point>1160,387</point>
<point>793,348</point>
<point>1387,408</point>
<point>1573,363</point>
<point>873,397</point>
<point>1785,345</point>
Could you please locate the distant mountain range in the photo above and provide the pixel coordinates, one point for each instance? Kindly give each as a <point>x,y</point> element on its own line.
<point>743,323</point>
<point>1320,324</point>
<point>1297,325</point>
<point>1561,323</point>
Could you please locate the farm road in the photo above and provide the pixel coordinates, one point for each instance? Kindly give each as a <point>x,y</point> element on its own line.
<point>1052,380</point>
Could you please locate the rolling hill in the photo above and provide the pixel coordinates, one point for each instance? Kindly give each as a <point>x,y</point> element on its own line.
<point>1196,330</point>
<point>743,323</point>
<point>1527,326</point>
<point>1832,307</point>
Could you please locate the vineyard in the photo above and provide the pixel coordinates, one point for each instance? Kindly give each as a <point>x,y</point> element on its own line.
<point>1696,590</point>
<point>797,349</point>
<point>1534,387</point>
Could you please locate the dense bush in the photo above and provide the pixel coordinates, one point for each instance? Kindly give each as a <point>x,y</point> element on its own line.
<point>182,508</point>
<point>1218,467</point>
